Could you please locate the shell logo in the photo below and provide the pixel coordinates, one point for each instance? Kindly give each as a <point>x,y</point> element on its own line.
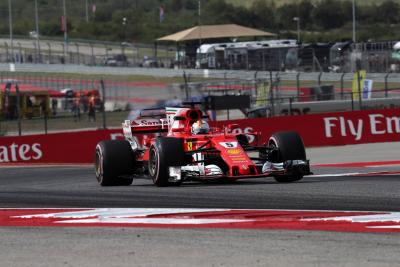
<point>234,151</point>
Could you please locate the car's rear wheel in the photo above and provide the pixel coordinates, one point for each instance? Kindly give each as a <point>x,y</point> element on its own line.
<point>114,163</point>
<point>288,146</point>
<point>164,153</point>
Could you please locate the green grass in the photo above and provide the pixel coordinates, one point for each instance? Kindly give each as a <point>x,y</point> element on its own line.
<point>125,78</point>
<point>248,3</point>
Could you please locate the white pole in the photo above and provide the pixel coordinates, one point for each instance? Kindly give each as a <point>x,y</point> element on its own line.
<point>87,12</point>
<point>297,19</point>
<point>65,31</point>
<point>10,22</point>
<point>199,23</point>
<point>37,31</point>
<point>354,22</point>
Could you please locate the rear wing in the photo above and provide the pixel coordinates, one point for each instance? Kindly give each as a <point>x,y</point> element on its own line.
<point>144,126</point>
<point>150,125</point>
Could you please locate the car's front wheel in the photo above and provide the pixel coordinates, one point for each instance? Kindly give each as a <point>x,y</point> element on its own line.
<point>288,146</point>
<point>164,153</point>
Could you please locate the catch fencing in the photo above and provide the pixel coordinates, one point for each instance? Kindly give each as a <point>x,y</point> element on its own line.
<point>84,52</point>
<point>282,94</point>
<point>378,57</point>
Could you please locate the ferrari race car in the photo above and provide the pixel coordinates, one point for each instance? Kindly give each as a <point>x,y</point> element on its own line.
<point>185,148</point>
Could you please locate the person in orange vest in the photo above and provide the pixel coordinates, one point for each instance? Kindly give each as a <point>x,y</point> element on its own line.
<point>92,111</point>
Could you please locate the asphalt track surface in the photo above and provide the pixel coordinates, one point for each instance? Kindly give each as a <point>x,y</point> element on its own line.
<point>76,187</point>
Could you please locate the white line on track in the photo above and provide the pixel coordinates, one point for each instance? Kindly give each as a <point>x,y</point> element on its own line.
<point>353,174</point>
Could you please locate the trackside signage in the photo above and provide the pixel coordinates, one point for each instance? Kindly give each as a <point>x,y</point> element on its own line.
<point>316,130</point>
<point>340,128</point>
<point>73,147</point>
<point>375,124</point>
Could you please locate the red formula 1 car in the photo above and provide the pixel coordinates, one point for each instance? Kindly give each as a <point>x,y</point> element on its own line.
<point>185,148</point>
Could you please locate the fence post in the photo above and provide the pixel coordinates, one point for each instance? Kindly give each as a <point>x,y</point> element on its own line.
<point>319,78</point>
<point>359,90</point>
<point>18,108</point>
<point>271,91</point>
<point>20,59</point>
<point>36,53</point>
<point>298,84</point>
<point>352,101</point>
<point>186,86</point>
<point>7,53</point>
<point>45,120</point>
<point>92,53</point>
<point>278,83</point>
<point>103,91</point>
<point>342,85</point>
<point>255,84</point>
<point>49,45</point>
<point>386,84</point>
<point>77,52</point>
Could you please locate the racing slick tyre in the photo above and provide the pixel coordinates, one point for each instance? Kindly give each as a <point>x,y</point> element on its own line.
<point>164,153</point>
<point>113,159</point>
<point>289,147</point>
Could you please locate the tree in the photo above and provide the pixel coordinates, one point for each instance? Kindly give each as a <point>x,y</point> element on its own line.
<point>176,5</point>
<point>305,8</point>
<point>264,14</point>
<point>388,12</point>
<point>286,13</point>
<point>328,14</point>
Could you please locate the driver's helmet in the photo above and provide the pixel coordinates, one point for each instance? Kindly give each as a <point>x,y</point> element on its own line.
<point>200,127</point>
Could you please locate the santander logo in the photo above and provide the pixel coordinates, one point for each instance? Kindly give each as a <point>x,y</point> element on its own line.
<point>375,124</point>
<point>16,152</point>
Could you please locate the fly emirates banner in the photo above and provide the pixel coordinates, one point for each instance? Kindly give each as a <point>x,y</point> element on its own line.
<point>328,129</point>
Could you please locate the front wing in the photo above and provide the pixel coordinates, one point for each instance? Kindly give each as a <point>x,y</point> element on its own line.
<point>268,169</point>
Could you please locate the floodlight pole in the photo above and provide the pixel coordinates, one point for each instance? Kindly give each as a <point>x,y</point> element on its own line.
<point>297,19</point>
<point>354,22</point>
<point>37,32</point>
<point>199,23</point>
<point>10,22</point>
<point>65,30</point>
<point>86,10</point>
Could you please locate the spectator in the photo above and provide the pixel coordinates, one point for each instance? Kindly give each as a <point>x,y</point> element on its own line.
<point>85,103</point>
<point>43,108</point>
<point>54,103</point>
<point>76,109</point>
<point>92,111</point>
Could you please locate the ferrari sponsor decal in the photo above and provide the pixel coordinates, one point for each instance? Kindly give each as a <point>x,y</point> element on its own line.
<point>234,151</point>
<point>146,122</point>
<point>239,159</point>
<point>189,146</point>
<point>341,221</point>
